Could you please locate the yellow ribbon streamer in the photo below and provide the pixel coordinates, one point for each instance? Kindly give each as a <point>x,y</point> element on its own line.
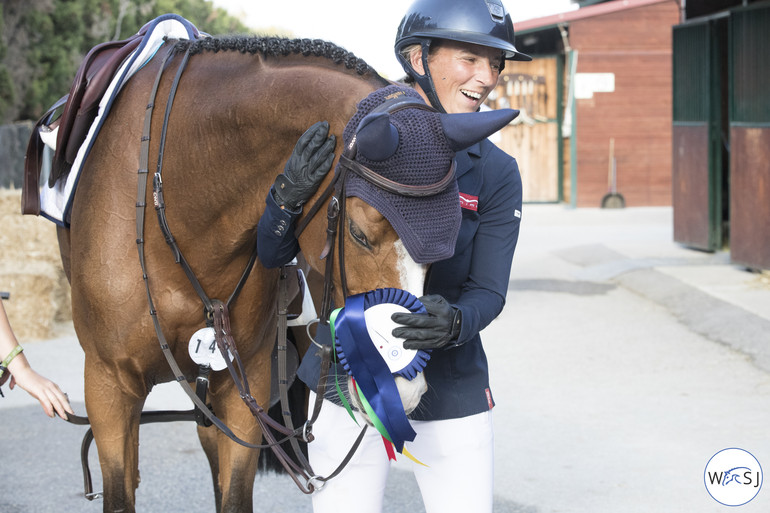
<point>381,428</point>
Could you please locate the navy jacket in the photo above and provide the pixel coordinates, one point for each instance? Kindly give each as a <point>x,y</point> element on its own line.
<point>475,279</point>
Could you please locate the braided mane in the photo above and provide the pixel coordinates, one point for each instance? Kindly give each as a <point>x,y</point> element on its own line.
<point>275,47</point>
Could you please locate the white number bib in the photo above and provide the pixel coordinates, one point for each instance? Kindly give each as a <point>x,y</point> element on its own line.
<point>204,351</point>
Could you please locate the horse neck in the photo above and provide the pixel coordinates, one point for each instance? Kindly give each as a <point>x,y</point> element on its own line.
<point>253,110</point>
<point>297,92</point>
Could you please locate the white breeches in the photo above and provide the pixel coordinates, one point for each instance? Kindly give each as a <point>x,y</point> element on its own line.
<point>458,453</point>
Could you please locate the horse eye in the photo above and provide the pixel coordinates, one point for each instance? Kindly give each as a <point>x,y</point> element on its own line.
<point>358,235</point>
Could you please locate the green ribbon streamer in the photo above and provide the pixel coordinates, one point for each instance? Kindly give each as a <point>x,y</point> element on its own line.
<point>373,416</point>
<point>345,403</point>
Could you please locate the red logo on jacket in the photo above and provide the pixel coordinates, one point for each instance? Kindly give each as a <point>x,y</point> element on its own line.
<point>469,202</point>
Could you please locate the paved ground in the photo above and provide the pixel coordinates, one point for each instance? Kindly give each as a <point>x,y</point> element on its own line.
<point>620,365</point>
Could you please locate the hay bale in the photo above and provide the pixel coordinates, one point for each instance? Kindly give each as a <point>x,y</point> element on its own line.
<point>31,270</point>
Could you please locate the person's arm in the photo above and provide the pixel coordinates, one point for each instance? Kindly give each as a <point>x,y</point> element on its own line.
<point>483,292</point>
<point>276,243</point>
<point>309,163</point>
<point>41,388</point>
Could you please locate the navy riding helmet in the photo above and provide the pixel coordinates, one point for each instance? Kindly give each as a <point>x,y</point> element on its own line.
<point>481,22</point>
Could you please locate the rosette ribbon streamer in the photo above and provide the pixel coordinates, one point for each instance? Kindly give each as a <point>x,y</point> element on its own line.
<point>373,378</point>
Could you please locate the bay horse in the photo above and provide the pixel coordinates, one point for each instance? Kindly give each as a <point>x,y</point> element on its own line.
<point>240,106</point>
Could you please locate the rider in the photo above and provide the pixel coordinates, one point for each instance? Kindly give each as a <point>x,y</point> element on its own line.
<point>452,52</point>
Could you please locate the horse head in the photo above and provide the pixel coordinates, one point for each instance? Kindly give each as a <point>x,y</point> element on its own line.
<point>400,200</point>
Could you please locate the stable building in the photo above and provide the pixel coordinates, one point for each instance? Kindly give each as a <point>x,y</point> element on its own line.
<point>721,137</point>
<point>596,104</point>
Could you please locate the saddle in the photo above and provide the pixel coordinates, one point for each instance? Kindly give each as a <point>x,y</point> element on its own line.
<point>81,106</point>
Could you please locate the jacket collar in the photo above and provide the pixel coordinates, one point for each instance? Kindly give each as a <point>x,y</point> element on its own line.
<point>465,158</point>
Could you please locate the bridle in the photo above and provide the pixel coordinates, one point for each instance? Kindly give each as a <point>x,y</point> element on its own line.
<point>335,194</point>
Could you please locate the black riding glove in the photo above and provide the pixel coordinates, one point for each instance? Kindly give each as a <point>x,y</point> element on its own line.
<point>306,168</point>
<point>440,326</point>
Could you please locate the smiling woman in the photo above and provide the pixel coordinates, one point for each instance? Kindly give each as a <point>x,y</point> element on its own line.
<point>453,63</point>
<point>398,189</point>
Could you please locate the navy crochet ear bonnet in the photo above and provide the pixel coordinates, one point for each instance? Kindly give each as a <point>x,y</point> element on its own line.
<point>428,226</point>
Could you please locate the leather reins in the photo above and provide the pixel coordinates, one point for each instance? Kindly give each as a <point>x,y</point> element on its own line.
<point>334,193</point>
<point>217,312</point>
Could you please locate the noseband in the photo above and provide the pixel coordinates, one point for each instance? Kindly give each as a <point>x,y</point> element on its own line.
<point>412,191</point>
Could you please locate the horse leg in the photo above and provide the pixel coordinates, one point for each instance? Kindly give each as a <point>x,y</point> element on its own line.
<point>114,407</point>
<point>237,471</point>
<point>237,465</point>
<point>208,439</point>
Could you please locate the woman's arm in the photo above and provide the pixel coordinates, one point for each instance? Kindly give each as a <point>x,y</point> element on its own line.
<point>41,388</point>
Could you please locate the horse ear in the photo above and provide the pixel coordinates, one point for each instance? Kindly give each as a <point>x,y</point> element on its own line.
<point>463,130</point>
<point>376,137</point>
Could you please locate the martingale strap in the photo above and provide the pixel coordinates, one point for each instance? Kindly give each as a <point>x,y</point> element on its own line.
<point>283,380</point>
<point>140,216</point>
<point>216,309</point>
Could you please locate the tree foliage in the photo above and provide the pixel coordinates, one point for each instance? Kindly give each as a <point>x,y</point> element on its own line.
<point>42,42</point>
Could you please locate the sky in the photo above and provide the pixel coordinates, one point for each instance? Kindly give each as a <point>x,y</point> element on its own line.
<point>365,27</point>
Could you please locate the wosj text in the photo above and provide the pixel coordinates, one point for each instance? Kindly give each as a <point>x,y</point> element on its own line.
<point>739,475</point>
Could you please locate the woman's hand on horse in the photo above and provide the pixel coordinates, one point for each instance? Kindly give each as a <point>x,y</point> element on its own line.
<point>306,168</point>
<point>432,330</point>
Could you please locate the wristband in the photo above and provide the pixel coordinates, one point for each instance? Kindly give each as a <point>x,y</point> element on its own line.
<point>8,359</point>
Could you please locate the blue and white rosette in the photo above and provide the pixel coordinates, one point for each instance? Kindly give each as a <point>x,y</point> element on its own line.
<point>368,352</point>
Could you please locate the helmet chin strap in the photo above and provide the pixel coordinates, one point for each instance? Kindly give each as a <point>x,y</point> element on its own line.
<point>426,80</point>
